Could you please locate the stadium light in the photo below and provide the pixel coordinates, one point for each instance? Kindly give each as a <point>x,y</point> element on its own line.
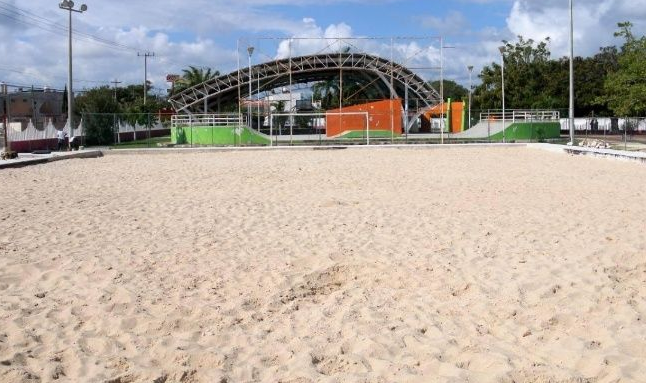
<point>68,5</point>
<point>502,72</point>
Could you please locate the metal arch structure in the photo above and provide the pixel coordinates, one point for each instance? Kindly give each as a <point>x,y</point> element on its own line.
<point>305,69</point>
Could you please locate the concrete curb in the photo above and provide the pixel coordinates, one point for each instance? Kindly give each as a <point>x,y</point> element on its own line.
<point>301,148</point>
<point>602,153</point>
<point>592,152</point>
<point>22,162</point>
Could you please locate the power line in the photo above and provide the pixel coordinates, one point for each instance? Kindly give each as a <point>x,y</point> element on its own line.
<point>19,15</point>
<point>24,73</point>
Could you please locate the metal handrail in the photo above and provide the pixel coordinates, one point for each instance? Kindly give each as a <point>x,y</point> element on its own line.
<point>211,120</point>
<point>521,115</point>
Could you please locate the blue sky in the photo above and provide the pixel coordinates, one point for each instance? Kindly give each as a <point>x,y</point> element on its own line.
<point>33,49</point>
<point>400,18</point>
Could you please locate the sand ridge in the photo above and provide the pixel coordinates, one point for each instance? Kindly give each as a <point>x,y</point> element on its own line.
<point>483,265</point>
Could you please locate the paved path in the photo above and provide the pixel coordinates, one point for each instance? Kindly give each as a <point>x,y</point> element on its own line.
<point>34,159</point>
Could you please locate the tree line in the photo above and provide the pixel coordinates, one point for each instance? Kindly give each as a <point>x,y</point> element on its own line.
<point>103,108</point>
<point>610,83</point>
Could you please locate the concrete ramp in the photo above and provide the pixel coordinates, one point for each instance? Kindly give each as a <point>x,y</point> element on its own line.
<point>483,129</point>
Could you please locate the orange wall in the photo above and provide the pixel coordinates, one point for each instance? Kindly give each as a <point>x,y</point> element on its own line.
<point>456,116</point>
<point>379,118</point>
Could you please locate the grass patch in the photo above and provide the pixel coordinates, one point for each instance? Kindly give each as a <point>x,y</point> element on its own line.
<point>140,144</point>
<point>372,134</point>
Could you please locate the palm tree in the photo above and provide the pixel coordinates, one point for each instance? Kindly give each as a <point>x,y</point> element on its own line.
<point>327,92</point>
<point>354,92</point>
<point>193,76</point>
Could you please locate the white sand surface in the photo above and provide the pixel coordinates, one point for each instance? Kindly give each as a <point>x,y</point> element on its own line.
<point>454,265</point>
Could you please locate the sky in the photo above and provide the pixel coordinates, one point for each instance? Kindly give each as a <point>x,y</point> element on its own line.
<point>207,33</point>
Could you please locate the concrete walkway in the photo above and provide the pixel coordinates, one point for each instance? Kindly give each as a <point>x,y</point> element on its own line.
<point>25,159</point>
<point>34,159</point>
<point>593,152</point>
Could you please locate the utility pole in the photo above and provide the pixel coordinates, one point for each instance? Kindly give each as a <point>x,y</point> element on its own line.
<point>145,56</point>
<point>115,127</point>
<point>115,83</point>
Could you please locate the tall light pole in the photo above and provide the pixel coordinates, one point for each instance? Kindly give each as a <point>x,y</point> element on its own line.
<point>68,5</point>
<point>502,72</point>
<point>442,89</point>
<point>250,50</point>
<point>571,114</point>
<point>470,68</point>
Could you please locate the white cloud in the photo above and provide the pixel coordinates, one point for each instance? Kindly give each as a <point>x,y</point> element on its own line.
<point>206,34</point>
<point>454,23</point>
<point>594,20</point>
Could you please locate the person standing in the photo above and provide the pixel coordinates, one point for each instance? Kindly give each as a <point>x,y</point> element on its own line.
<point>60,136</point>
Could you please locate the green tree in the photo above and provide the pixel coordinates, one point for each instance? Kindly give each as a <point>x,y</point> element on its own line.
<point>590,75</point>
<point>97,107</point>
<point>452,90</point>
<point>327,92</point>
<point>356,90</point>
<point>194,76</point>
<point>625,89</point>
<point>102,111</point>
<point>279,121</point>
<point>527,71</point>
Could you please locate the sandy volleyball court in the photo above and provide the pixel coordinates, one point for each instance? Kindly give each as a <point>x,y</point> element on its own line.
<point>455,265</point>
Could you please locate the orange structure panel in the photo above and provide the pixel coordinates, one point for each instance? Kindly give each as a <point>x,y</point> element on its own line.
<point>457,108</point>
<point>384,115</point>
<point>455,117</point>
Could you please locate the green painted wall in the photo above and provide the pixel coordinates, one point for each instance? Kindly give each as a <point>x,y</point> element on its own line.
<point>528,131</point>
<point>373,134</point>
<point>220,136</point>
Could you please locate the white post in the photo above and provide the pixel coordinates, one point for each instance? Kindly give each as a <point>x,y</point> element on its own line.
<point>392,86</point>
<point>367,128</point>
<point>271,128</point>
<point>5,100</point>
<point>291,97</point>
<point>70,85</point>
<point>250,51</point>
<point>571,115</point>
<point>258,102</point>
<point>442,89</point>
<point>239,94</point>
<point>502,72</point>
<point>470,68</point>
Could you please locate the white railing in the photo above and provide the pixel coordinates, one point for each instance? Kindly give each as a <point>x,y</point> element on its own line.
<point>521,115</point>
<point>212,120</point>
